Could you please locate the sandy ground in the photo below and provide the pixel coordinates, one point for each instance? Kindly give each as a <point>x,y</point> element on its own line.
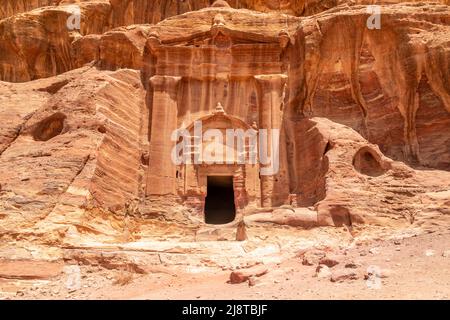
<point>411,268</point>
<point>413,274</point>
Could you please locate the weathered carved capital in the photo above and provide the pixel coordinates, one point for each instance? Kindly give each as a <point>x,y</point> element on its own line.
<point>165,83</point>
<point>270,82</point>
<point>153,40</point>
<point>283,38</point>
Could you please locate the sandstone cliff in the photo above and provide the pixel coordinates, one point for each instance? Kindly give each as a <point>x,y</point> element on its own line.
<point>366,112</point>
<point>152,11</point>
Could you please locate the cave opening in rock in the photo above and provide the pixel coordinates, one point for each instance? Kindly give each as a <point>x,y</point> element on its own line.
<point>49,127</point>
<point>366,163</point>
<point>219,202</point>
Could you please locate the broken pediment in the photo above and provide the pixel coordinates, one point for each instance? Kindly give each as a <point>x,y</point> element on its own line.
<point>222,27</point>
<point>219,43</point>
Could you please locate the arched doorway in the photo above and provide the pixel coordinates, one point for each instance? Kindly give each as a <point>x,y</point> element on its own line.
<point>219,171</point>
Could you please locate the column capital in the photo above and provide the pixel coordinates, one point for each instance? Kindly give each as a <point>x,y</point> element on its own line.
<point>163,83</point>
<point>153,41</point>
<point>271,80</point>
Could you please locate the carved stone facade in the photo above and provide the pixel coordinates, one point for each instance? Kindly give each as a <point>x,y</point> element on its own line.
<point>226,79</point>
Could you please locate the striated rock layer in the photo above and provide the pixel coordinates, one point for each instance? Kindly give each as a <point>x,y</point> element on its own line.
<point>153,11</point>
<point>85,145</point>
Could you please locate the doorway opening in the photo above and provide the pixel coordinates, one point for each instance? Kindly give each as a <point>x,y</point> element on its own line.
<point>219,202</point>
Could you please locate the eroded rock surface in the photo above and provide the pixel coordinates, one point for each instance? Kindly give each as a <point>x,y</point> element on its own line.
<point>87,117</point>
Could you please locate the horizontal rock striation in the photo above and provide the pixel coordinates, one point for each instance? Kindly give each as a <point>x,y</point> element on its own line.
<point>126,12</point>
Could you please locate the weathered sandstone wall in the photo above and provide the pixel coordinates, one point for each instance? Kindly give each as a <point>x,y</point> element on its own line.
<point>125,12</point>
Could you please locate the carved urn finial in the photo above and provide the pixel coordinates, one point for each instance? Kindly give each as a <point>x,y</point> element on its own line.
<point>219,20</point>
<point>219,109</point>
<point>219,33</point>
<point>220,4</point>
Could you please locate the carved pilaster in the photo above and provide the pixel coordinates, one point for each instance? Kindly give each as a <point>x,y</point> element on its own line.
<point>272,91</point>
<point>161,179</point>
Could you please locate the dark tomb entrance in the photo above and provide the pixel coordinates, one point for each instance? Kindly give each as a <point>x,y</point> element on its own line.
<point>219,203</point>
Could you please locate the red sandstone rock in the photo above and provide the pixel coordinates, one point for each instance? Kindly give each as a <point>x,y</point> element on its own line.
<point>381,273</point>
<point>293,217</point>
<point>243,275</point>
<point>329,260</point>
<point>311,258</point>
<point>29,270</point>
<point>341,275</point>
<point>87,115</point>
<point>323,272</point>
<point>143,11</point>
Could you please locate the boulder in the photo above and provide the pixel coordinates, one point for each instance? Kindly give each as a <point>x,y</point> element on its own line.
<point>242,275</point>
<point>313,257</point>
<point>323,272</point>
<point>329,260</point>
<point>341,275</point>
<point>382,273</point>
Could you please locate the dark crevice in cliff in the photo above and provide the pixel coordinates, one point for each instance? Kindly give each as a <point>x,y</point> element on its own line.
<point>16,135</point>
